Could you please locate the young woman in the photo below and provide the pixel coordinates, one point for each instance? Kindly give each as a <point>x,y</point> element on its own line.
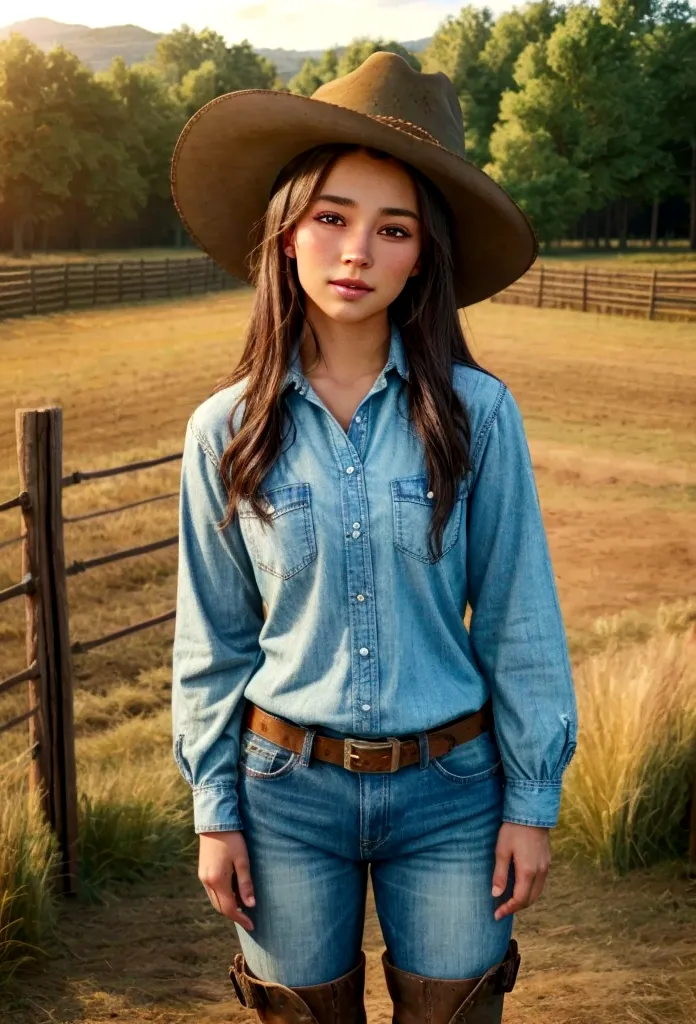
<point>345,493</point>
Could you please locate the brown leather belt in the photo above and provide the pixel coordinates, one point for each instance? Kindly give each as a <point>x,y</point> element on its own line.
<point>359,755</point>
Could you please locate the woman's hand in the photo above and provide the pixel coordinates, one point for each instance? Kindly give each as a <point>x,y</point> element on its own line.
<point>222,855</point>
<point>530,850</point>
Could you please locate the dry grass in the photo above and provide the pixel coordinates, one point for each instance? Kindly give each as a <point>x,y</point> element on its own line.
<point>610,408</point>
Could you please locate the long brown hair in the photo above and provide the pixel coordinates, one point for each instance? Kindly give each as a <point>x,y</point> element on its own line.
<point>425,312</point>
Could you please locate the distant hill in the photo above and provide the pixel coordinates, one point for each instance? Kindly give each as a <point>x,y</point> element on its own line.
<point>97,47</point>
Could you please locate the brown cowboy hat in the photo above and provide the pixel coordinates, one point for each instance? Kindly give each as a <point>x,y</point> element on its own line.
<point>230,152</point>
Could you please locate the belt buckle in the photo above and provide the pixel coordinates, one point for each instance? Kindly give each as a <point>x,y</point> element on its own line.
<point>351,745</point>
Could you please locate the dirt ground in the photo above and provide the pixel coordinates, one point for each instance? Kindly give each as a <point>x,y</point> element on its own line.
<point>594,950</point>
<point>610,411</point>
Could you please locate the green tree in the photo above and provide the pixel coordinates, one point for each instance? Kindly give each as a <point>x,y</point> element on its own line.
<point>669,55</point>
<point>583,108</point>
<point>208,67</point>
<point>360,49</point>
<point>314,73</point>
<point>39,151</point>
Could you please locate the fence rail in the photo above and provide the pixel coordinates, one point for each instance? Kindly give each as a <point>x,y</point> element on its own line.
<point>27,291</point>
<point>655,294</point>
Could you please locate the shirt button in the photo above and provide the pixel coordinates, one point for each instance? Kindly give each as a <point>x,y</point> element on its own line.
<point>364,651</point>
<point>356,526</point>
<point>358,419</point>
<point>430,494</point>
<point>360,597</point>
<point>356,534</point>
<point>366,707</point>
<point>351,469</point>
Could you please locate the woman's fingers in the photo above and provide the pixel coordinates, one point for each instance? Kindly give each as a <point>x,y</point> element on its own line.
<point>223,865</point>
<point>245,887</point>
<point>521,894</point>
<point>222,897</point>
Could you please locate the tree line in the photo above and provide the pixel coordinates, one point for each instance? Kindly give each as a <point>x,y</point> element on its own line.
<point>585,113</point>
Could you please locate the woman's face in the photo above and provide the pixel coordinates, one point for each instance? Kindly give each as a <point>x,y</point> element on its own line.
<point>363,227</point>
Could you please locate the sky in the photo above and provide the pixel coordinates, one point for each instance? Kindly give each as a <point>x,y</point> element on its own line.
<point>291,24</point>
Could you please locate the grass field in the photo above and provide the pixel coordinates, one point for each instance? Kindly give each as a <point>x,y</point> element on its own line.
<point>610,409</point>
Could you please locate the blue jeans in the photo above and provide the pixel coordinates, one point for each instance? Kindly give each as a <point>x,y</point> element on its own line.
<point>429,833</point>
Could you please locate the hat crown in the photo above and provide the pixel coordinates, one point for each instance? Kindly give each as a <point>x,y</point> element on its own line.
<point>387,88</point>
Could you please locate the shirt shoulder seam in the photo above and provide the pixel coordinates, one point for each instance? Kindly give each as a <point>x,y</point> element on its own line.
<point>490,419</point>
<point>204,444</point>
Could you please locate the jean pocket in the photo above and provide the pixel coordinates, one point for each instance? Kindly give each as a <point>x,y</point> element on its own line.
<point>260,758</point>
<point>288,544</point>
<point>412,506</point>
<point>470,762</point>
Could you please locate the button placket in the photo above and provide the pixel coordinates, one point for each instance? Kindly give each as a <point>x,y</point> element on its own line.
<point>361,611</point>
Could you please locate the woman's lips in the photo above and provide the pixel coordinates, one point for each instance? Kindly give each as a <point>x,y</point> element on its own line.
<point>346,291</point>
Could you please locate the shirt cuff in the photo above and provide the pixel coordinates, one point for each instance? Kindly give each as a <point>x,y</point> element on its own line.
<point>215,809</point>
<point>527,802</point>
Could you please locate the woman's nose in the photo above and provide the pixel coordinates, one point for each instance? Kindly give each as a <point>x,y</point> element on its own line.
<point>357,252</point>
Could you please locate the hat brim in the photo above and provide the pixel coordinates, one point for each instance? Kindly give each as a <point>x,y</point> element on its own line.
<point>231,151</point>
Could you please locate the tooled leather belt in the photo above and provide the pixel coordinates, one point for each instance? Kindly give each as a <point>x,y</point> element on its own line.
<point>362,755</point>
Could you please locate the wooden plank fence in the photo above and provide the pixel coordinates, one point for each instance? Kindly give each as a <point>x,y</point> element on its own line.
<point>656,294</point>
<point>49,650</point>
<point>26,291</point>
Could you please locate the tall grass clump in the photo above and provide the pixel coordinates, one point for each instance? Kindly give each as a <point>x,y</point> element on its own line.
<point>626,793</point>
<point>28,861</point>
<point>134,818</point>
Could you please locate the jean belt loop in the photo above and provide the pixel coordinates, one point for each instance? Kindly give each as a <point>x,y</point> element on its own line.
<point>424,749</point>
<point>306,755</point>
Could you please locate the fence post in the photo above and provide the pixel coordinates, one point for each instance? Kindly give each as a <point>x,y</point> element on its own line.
<point>651,300</point>
<point>32,288</point>
<point>39,454</point>
<point>94,283</point>
<point>66,284</point>
<point>166,271</point>
<point>540,294</point>
<point>142,279</point>
<point>120,281</point>
<point>584,289</point>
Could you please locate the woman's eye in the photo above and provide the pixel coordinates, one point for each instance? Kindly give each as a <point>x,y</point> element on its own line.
<point>323,215</point>
<point>403,233</point>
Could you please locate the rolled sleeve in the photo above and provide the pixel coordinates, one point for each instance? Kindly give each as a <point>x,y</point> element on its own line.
<point>517,632</point>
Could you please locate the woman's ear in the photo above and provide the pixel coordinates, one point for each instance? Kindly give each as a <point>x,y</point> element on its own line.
<point>416,268</point>
<point>288,244</point>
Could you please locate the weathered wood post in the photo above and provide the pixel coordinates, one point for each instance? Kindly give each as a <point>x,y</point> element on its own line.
<point>651,298</point>
<point>39,455</point>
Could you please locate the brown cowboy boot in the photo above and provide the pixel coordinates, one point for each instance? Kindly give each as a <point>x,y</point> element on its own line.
<point>335,1002</point>
<point>421,1000</point>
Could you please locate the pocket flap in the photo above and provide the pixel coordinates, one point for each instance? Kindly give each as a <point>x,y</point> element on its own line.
<point>413,488</point>
<point>279,500</point>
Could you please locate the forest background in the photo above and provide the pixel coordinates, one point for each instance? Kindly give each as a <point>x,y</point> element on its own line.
<point>585,113</point>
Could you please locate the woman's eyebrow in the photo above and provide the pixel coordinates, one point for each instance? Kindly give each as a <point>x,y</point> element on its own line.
<point>386,211</point>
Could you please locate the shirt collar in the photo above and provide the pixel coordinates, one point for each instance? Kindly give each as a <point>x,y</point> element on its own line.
<point>396,358</point>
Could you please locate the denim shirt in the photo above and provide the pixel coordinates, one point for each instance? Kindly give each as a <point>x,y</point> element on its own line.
<point>363,633</point>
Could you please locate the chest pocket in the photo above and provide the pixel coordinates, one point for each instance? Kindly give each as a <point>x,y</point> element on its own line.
<point>412,504</point>
<point>289,544</point>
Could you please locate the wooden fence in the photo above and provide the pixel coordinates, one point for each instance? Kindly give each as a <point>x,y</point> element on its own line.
<point>50,288</point>
<point>49,651</point>
<point>655,294</point>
